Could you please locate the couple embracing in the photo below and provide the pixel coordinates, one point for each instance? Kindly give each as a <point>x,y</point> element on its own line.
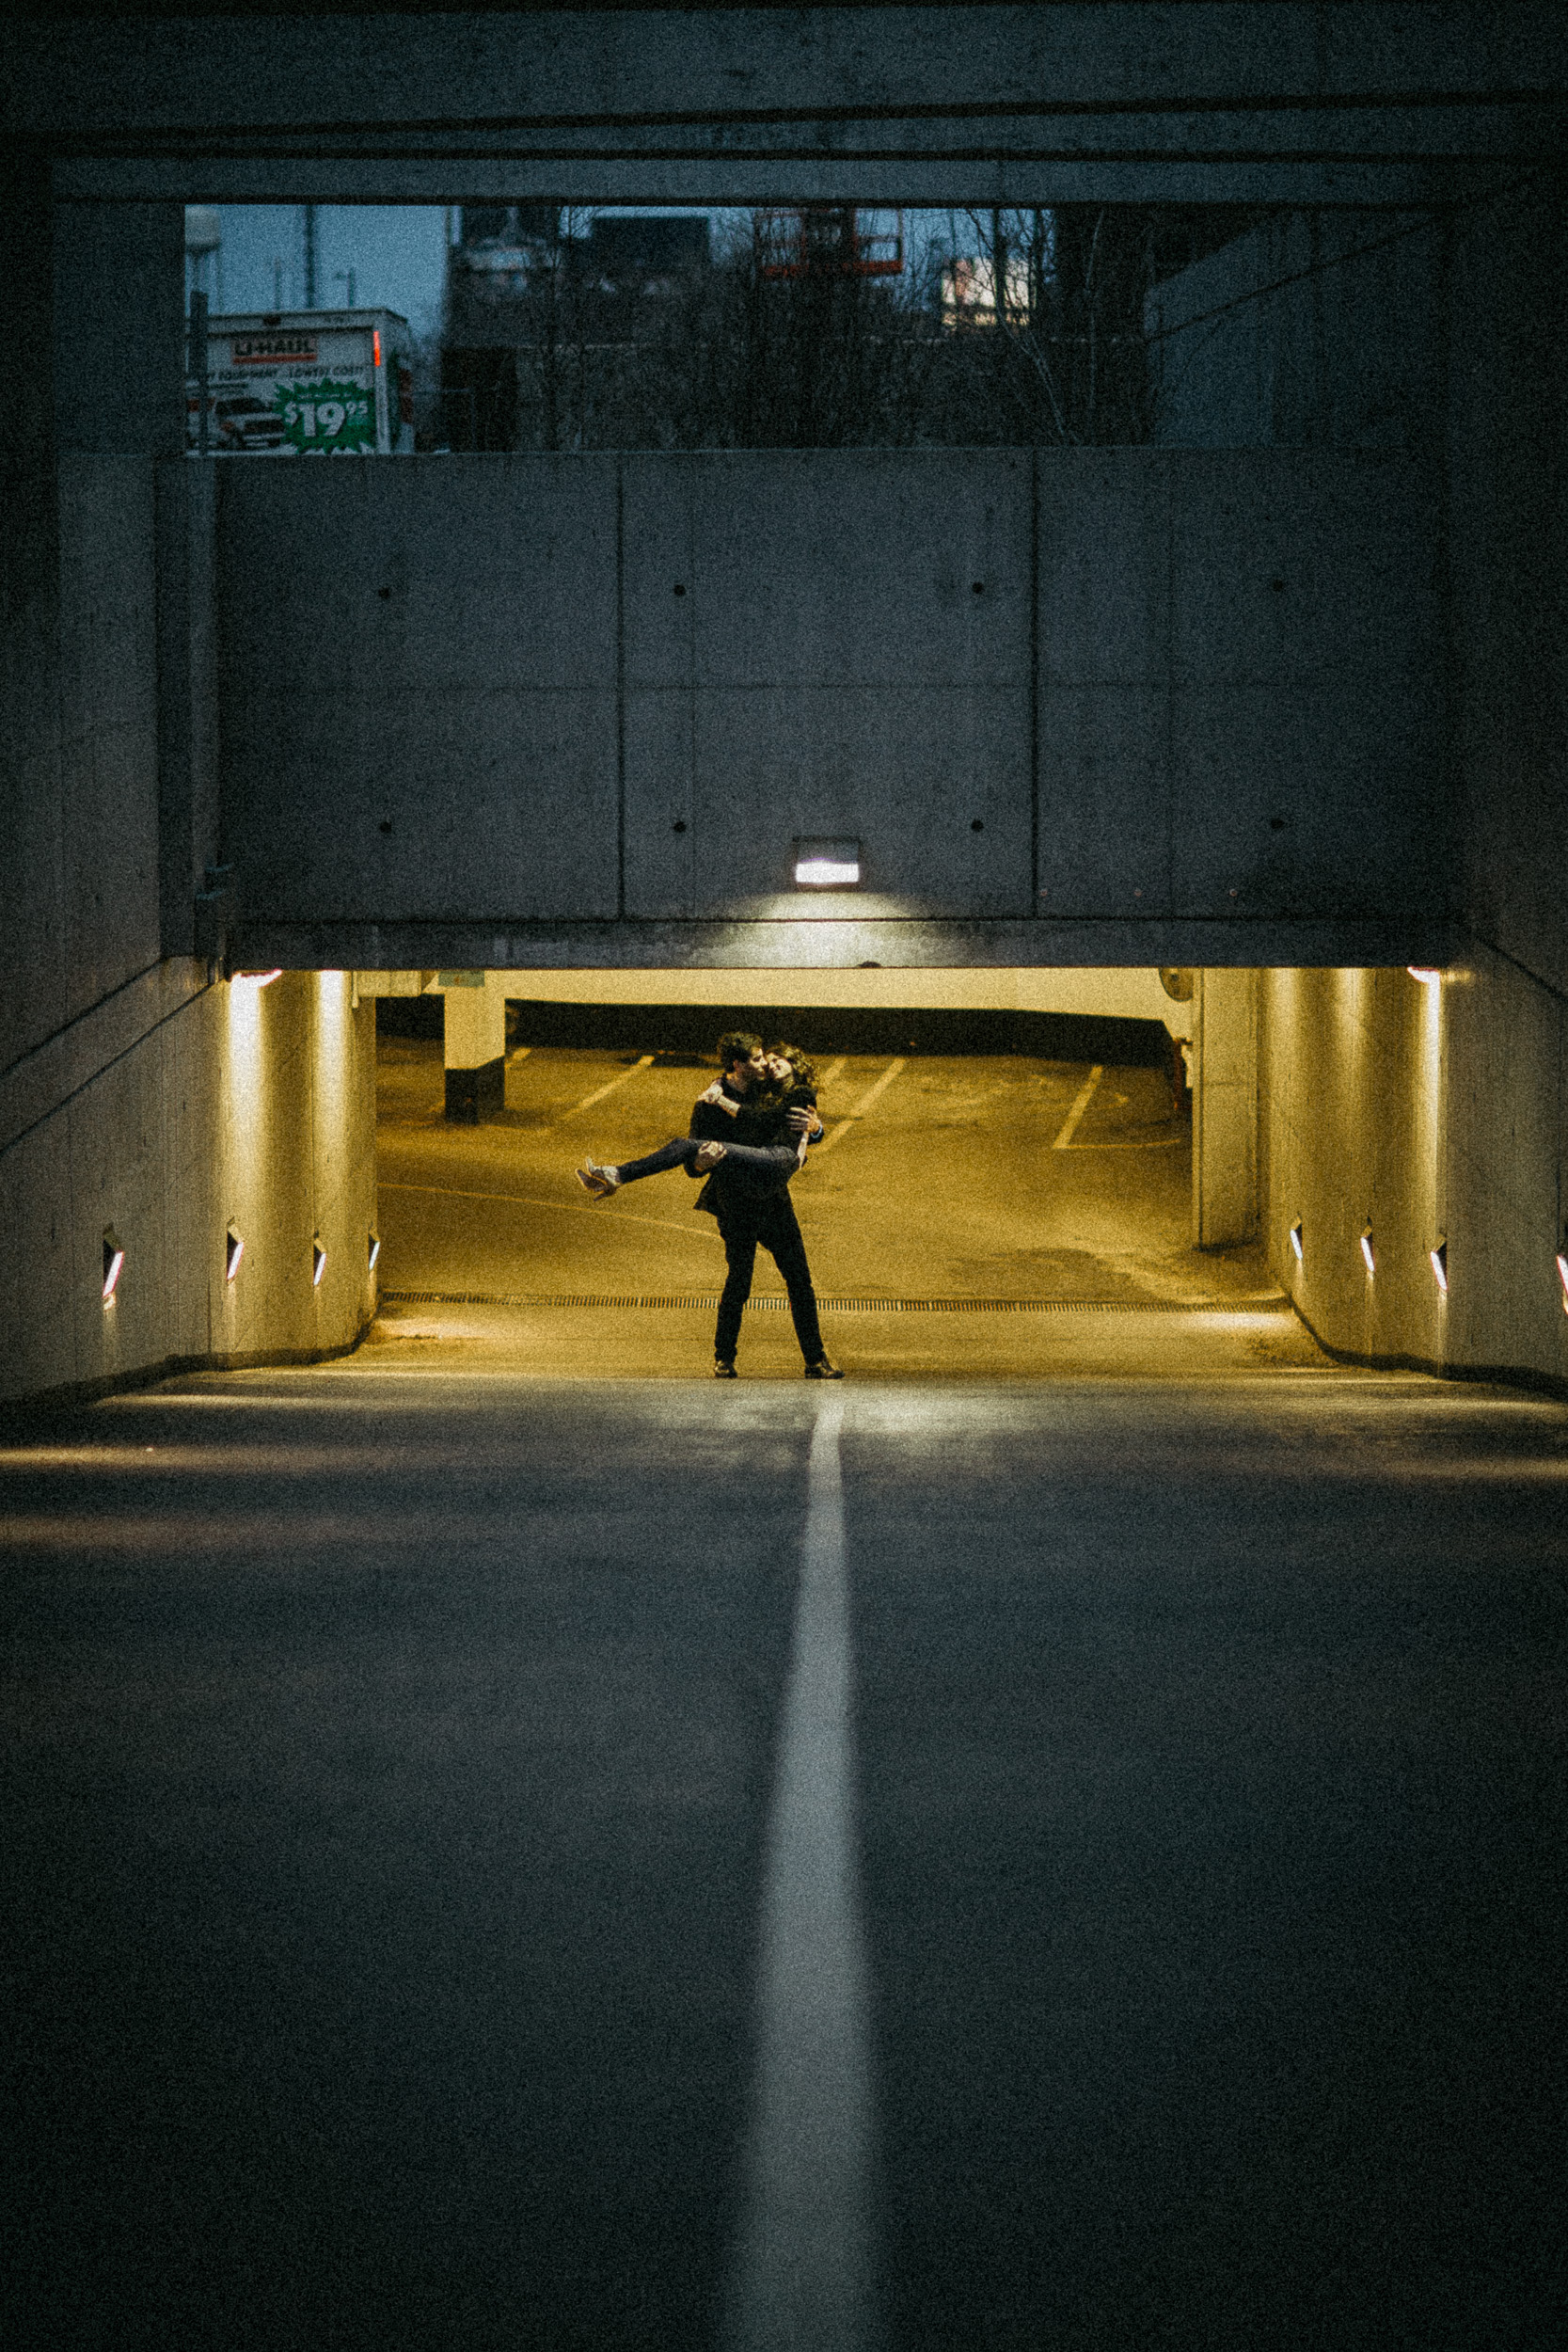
<point>749,1132</point>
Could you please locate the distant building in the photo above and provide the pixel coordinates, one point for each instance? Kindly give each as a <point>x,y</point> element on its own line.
<point>549,315</point>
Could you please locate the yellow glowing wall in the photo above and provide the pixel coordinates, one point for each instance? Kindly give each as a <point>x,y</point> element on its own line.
<point>1419,1117</point>
<point>242,1106</point>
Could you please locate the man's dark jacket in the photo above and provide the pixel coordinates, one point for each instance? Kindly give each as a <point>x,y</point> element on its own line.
<point>730,1191</point>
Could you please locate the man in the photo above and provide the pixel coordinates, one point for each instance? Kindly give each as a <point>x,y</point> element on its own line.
<point>753,1206</point>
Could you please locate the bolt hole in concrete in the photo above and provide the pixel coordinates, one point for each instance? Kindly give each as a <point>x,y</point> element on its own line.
<point>984,1177</point>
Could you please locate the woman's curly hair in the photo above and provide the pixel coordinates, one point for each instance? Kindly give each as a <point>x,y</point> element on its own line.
<point>801,1062</point>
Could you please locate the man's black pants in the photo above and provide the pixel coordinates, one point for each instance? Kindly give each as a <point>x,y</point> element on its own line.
<point>774,1224</point>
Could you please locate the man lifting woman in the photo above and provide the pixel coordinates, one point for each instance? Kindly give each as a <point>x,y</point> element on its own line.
<point>751,1130</point>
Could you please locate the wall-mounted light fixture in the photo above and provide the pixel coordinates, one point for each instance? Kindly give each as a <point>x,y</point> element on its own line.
<point>1366,1249</point>
<point>262,979</point>
<point>1428,977</point>
<point>1440,1267</point>
<point>1562,1274</point>
<point>826,864</point>
<point>1296,1240</point>
<point>373,1252</point>
<point>233,1251</point>
<point>318,1262</point>
<point>114,1259</point>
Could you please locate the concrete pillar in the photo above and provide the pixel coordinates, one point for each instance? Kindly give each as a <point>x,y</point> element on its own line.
<point>474,1047</point>
<point>1225,1109</point>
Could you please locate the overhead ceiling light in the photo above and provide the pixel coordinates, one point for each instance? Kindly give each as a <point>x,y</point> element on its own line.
<point>233,1251</point>
<point>318,1262</point>
<point>1440,1266</point>
<point>262,979</point>
<point>826,864</point>
<point>1428,977</point>
<point>1366,1248</point>
<point>1295,1240</point>
<point>114,1259</point>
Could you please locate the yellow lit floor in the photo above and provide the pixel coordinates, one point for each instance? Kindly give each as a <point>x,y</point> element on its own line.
<point>966,1182</point>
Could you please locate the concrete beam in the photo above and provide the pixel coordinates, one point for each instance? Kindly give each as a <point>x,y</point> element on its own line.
<point>512,175</point>
<point>562,69</point>
<point>813,945</point>
<point>1038,104</point>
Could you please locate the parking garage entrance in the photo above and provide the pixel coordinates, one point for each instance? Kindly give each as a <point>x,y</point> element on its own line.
<point>995,1185</point>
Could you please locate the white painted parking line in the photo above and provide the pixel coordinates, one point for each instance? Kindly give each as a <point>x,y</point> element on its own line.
<point>872,1095</point>
<point>803,2278</point>
<point>529,1200</point>
<point>598,1095</point>
<point>1080,1104</point>
<point>832,1071</point>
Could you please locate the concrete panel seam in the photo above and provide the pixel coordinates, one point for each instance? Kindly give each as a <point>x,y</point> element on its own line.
<point>20,1079</point>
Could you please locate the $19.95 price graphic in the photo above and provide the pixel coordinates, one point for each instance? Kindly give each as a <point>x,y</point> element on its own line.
<point>326,418</point>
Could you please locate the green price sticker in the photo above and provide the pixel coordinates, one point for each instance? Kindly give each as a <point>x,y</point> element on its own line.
<point>327,419</point>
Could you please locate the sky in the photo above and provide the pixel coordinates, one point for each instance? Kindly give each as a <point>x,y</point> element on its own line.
<point>395,251</point>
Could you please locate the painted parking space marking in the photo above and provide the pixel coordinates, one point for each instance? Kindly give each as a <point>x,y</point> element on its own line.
<point>1080,1102</point>
<point>529,1201</point>
<point>872,1095</point>
<point>645,1062</point>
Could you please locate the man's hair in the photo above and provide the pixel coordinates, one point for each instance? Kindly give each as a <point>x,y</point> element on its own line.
<point>801,1063</point>
<point>737,1045</point>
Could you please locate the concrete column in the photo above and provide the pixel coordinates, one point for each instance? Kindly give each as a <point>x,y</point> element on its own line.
<point>1225,1109</point>
<point>474,1047</point>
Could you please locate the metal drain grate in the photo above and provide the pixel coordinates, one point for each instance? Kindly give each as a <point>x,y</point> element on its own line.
<point>708,1300</point>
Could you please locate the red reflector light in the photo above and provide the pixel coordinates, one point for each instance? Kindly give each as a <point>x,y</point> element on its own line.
<point>376,343</point>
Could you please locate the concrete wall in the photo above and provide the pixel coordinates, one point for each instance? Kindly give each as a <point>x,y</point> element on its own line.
<point>1067,690</point>
<point>228,1105</point>
<point>136,1093</point>
<point>1431,1113</point>
<point>1316,331</point>
<point>1133,995</point>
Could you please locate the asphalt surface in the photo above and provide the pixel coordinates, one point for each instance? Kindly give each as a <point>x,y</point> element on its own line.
<point>453,1821</point>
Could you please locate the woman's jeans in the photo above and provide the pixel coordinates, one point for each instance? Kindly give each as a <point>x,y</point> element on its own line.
<point>682,1151</point>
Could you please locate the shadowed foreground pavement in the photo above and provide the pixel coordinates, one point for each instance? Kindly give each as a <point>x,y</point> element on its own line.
<point>391,1762</point>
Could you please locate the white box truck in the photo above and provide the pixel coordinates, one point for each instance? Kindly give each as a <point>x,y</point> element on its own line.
<point>306,384</point>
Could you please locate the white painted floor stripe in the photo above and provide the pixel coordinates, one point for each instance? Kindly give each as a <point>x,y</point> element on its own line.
<point>871,1095</point>
<point>529,1200</point>
<point>599,1092</point>
<point>1081,1104</point>
<point>804,2278</point>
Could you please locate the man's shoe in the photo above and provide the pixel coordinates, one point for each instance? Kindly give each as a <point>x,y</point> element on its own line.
<point>600,1182</point>
<point>724,1368</point>
<point>822,1369</point>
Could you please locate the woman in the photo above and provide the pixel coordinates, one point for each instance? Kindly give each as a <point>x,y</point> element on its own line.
<point>771,1147</point>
